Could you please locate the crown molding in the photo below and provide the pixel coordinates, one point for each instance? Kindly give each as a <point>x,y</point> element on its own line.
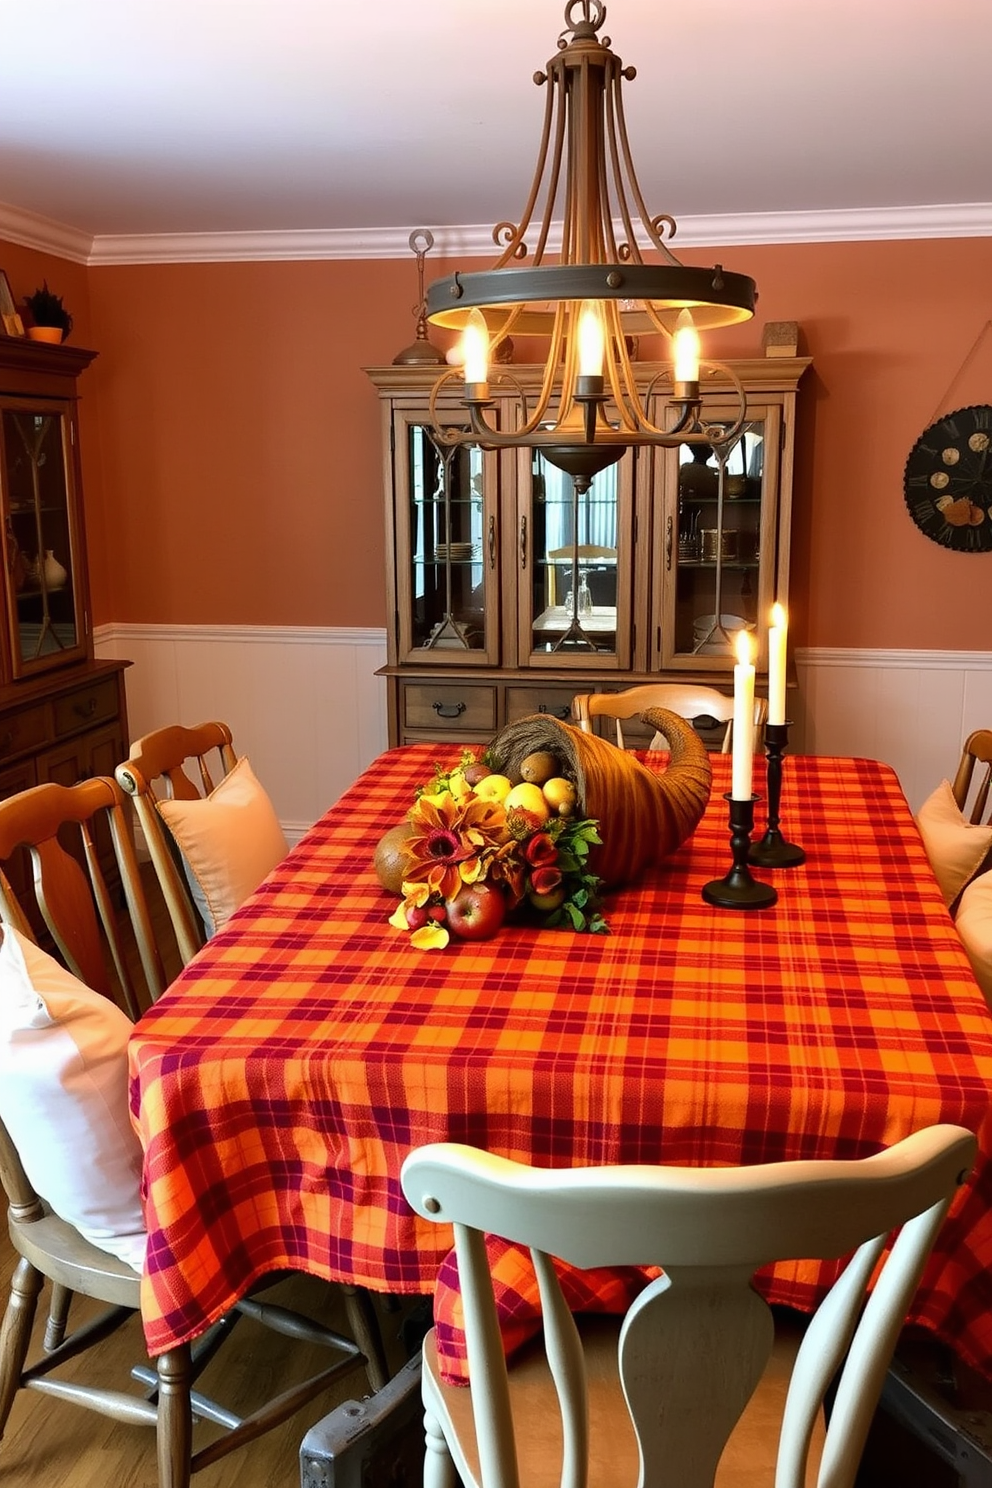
<point>28,230</point>
<point>967,220</point>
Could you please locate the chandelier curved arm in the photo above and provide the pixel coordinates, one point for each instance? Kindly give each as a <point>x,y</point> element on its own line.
<point>709,433</point>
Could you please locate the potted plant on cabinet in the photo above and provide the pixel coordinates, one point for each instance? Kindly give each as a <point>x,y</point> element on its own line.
<point>51,321</point>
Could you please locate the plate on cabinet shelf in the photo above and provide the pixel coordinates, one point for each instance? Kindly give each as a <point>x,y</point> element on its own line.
<point>456,551</point>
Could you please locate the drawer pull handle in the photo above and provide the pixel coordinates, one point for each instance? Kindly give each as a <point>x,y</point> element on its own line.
<point>556,712</point>
<point>523,542</point>
<point>448,710</point>
<point>492,542</point>
<point>85,710</point>
<point>669,533</point>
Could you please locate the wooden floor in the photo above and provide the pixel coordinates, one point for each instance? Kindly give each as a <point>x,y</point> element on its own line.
<point>52,1442</point>
<point>49,1441</point>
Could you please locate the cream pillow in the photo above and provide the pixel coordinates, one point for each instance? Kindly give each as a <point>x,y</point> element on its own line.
<point>974,925</point>
<point>64,1097</point>
<point>230,840</point>
<point>955,848</point>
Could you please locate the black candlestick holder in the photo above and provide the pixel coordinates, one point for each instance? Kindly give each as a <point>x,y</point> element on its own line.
<point>773,851</point>
<point>739,890</point>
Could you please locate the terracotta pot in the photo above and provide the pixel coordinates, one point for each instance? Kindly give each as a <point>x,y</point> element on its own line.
<point>52,334</point>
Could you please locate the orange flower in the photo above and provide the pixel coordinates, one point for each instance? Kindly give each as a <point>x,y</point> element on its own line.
<point>450,839</point>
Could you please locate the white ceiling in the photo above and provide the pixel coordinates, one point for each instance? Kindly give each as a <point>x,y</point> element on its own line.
<point>150,117</point>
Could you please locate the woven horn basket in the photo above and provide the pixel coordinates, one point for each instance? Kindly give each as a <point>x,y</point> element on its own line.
<point>643,815</point>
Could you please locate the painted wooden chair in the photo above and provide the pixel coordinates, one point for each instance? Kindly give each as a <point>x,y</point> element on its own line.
<point>655,1397</point>
<point>977,751</point>
<point>702,706</point>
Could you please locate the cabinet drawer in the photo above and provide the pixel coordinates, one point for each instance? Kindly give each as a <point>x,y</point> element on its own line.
<point>522,701</point>
<point>24,730</point>
<point>456,706</point>
<point>87,706</point>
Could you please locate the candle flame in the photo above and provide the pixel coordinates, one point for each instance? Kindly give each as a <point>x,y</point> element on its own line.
<point>778,614</point>
<point>742,646</point>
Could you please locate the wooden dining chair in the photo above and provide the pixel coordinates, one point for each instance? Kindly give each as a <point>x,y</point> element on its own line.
<point>977,751</point>
<point>69,832</point>
<point>175,763</point>
<point>704,707</point>
<point>62,836</point>
<point>52,1250</point>
<point>656,1396</point>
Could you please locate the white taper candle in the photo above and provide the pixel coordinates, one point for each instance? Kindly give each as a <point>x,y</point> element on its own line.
<point>743,740</point>
<point>777,637</point>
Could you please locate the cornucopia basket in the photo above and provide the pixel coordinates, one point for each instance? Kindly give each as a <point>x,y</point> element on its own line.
<point>644,815</point>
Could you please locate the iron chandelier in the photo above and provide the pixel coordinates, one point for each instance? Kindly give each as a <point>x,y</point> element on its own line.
<point>593,294</point>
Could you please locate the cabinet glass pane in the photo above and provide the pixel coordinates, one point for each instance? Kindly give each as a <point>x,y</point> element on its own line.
<point>574,569</point>
<point>447,544</point>
<point>38,535</point>
<point>718,557</point>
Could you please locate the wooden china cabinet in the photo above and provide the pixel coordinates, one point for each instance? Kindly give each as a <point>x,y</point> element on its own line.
<point>62,714</point>
<point>508,594</point>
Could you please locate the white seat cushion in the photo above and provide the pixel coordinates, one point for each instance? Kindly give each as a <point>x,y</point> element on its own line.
<point>956,849</point>
<point>230,840</point>
<point>64,1100</point>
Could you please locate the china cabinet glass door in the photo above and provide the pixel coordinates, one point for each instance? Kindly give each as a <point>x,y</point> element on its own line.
<point>447,579</point>
<point>40,540</point>
<point>716,544</point>
<point>574,563</point>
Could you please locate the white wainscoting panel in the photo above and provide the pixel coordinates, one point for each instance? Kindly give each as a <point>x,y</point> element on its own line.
<point>304,704</point>
<point>307,708</point>
<point>913,709</point>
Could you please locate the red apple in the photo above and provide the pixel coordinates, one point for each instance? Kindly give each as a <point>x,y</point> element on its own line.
<point>475,772</point>
<point>416,915</point>
<point>438,913</point>
<point>476,912</point>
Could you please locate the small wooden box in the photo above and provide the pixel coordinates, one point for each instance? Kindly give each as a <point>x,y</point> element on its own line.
<point>780,338</point>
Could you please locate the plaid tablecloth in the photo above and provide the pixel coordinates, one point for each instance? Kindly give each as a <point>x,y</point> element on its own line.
<point>280,1082</point>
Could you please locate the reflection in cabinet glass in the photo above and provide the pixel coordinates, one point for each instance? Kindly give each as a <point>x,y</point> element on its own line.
<point>38,534</point>
<point>447,543</point>
<point>719,543</point>
<point>574,574</point>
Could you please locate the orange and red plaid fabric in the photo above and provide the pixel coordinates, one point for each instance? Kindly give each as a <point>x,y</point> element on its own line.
<point>280,1082</point>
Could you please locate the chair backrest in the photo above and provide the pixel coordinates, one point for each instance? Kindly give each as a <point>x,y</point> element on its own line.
<point>63,829</point>
<point>977,750</point>
<point>703,706</point>
<point>693,1345</point>
<point>181,764</point>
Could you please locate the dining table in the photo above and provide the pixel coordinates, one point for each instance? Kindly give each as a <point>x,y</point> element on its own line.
<point>281,1080</point>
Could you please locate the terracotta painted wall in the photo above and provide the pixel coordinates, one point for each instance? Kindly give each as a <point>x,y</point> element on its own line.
<point>231,440</point>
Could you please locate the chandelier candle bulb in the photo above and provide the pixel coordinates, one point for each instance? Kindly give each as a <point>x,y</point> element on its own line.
<point>686,349</point>
<point>475,350</point>
<point>592,341</point>
<point>777,637</point>
<point>743,742</point>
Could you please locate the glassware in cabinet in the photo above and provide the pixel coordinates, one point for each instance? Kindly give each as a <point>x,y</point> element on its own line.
<point>42,544</point>
<point>447,589</point>
<point>575,566</point>
<point>716,546</point>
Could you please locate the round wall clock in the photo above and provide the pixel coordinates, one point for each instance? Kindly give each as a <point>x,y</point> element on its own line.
<point>948,480</point>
